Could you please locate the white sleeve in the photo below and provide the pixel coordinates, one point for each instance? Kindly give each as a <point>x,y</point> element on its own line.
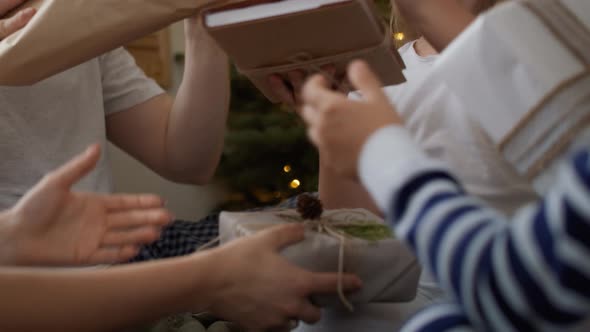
<point>124,84</point>
<point>389,157</point>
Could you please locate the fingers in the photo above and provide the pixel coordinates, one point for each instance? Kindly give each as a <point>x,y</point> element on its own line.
<point>312,118</point>
<point>13,24</point>
<point>286,327</point>
<point>335,80</point>
<point>8,5</point>
<point>280,237</point>
<point>328,283</point>
<point>76,168</point>
<point>297,79</point>
<point>329,71</point>
<point>317,94</point>
<point>281,90</point>
<point>292,94</point>
<point>134,236</point>
<point>309,313</point>
<point>122,202</point>
<point>363,79</point>
<point>111,255</point>
<point>315,90</point>
<point>137,218</point>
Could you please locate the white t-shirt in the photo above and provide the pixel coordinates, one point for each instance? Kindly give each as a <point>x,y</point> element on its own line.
<point>44,125</point>
<point>453,137</point>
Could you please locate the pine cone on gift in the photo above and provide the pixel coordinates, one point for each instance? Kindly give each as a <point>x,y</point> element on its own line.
<point>309,207</point>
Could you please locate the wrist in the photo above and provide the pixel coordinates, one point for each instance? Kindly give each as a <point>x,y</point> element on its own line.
<point>220,276</point>
<point>204,281</point>
<point>202,52</point>
<point>197,37</point>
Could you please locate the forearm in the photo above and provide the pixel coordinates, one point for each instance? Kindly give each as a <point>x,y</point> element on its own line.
<point>337,192</point>
<point>196,127</point>
<point>99,300</point>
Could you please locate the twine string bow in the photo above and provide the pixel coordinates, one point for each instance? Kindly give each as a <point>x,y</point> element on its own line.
<point>324,225</point>
<point>329,224</point>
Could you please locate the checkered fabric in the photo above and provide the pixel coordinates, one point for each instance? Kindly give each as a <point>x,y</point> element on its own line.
<point>181,238</point>
<point>185,237</point>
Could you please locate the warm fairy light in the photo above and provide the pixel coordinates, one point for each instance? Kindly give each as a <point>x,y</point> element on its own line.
<point>295,184</point>
<point>287,168</point>
<point>399,36</point>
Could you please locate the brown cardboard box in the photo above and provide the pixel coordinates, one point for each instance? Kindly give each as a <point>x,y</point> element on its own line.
<point>331,34</point>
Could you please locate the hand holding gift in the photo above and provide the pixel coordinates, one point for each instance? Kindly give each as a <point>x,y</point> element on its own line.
<point>308,36</point>
<point>288,87</point>
<point>340,241</point>
<point>252,272</point>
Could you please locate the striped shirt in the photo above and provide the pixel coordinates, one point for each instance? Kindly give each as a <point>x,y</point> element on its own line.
<point>525,273</point>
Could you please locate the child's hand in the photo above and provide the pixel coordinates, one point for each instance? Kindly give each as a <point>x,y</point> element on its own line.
<point>339,126</point>
<point>52,225</point>
<point>11,25</point>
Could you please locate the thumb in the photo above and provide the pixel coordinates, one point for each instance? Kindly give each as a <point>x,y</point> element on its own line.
<point>280,237</point>
<point>16,22</point>
<point>363,79</point>
<point>75,169</point>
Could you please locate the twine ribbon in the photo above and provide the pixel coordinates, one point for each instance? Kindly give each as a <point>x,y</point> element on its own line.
<point>326,226</point>
<point>329,226</point>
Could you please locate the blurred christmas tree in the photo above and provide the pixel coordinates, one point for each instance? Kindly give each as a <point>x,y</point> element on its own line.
<point>267,157</point>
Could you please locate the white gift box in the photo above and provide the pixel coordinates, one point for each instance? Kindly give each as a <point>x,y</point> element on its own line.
<point>389,271</point>
<point>523,71</point>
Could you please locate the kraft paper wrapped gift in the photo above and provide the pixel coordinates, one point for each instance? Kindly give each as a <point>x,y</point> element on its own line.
<point>65,33</point>
<point>523,71</point>
<point>389,271</point>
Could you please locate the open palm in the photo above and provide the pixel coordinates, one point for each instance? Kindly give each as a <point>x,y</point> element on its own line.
<point>56,226</point>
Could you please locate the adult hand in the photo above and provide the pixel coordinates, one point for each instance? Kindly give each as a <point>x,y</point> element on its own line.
<point>339,126</point>
<point>288,87</point>
<point>259,289</point>
<point>12,24</point>
<point>52,225</point>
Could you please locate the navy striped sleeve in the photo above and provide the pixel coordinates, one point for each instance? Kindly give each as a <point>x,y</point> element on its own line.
<point>528,272</point>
